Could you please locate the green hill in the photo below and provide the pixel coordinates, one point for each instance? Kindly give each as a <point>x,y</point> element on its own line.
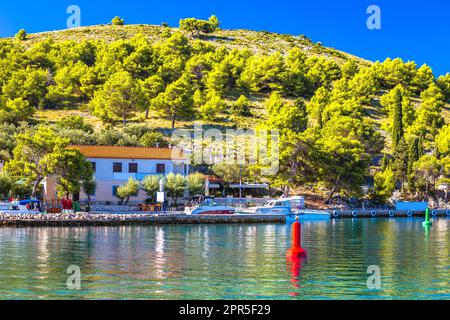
<point>256,41</point>
<point>132,84</point>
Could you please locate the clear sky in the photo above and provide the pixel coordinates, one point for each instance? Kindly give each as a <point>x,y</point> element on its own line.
<point>410,29</point>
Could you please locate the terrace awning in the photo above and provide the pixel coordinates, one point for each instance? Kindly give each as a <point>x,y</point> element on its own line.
<point>214,185</point>
<point>250,186</point>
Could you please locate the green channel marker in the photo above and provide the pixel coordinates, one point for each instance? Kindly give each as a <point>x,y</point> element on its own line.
<point>427,222</point>
<point>427,231</point>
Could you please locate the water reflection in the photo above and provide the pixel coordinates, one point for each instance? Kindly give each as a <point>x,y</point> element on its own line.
<point>294,266</point>
<point>228,261</point>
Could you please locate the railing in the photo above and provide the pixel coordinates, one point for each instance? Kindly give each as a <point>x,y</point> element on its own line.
<point>243,201</point>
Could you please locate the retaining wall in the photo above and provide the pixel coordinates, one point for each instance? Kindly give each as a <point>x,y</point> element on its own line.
<point>142,219</point>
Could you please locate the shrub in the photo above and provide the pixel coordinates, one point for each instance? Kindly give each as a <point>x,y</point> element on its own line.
<point>176,185</point>
<point>21,35</point>
<point>150,184</point>
<point>136,130</point>
<point>195,183</point>
<point>75,123</point>
<point>117,21</point>
<point>127,190</point>
<point>154,140</point>
<point>211,108</point>
<point>16,110</point>
<point>241,107</point>
<point>5,186</point>
<point>197,26</point>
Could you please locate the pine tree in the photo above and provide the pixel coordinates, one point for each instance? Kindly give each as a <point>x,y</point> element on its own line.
<point>318,103</point>
<point>397,127</point>
<point>21,35</point>
<point>401,161</point>
<point>429,114</point>
<point>414,153</point>
<point>384,162</point>
<point>121,96</point>
<point>176,102</point>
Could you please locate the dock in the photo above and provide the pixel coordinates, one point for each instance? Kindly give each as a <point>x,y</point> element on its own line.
<point>374,213</point>
<point>83,219</point>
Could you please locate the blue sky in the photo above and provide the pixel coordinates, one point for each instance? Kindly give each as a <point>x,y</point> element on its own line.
<point>412,30</point>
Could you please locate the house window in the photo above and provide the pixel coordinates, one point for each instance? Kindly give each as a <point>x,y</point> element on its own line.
<point>114,190</point>
<point>160,168</point>
<point>117,167</point>
<point>94,166</point>
<point>133,167</point>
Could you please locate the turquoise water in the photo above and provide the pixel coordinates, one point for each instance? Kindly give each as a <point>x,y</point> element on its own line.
<point>228,261</point>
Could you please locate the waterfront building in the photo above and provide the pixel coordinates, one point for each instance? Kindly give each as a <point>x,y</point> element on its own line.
<point>114,165</point>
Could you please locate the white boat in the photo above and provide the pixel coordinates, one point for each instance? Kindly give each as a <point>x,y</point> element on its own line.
<point>13,208</point>
<point>292,207</point>
<point>208,206</point>
<point>280,206</point>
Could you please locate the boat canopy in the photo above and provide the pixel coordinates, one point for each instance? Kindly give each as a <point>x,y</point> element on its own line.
<point>249,186</point>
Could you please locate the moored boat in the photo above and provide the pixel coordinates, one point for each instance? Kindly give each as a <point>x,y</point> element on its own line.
<point>280,206</point>
<point>292,207</point>
<point>207,206</point>
<point>13,208</point>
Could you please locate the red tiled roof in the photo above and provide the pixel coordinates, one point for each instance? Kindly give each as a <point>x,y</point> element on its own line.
<point>116,152</point>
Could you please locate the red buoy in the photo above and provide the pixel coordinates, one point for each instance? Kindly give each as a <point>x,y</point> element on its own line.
<point>296,250</point>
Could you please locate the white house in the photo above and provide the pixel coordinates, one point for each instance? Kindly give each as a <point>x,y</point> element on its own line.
<point>113,166</point>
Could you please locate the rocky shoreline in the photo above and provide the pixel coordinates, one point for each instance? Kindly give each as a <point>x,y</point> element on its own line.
<point>106,219</point>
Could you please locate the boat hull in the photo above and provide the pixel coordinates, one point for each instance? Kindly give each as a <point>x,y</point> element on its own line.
<point>272,210</point>
<point>212,210</point>
<point>308,216</point>
<point>12,212</point>
<point>215,212</point>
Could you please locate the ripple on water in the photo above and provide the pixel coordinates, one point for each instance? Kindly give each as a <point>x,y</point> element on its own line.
<point>228,261</point>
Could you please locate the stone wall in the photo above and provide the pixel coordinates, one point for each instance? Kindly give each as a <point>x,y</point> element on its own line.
<point>114,208</point>
<point>89,219</point>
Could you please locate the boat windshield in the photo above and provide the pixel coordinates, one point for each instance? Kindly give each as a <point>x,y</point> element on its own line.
<point>277,203</point>
<point>209,202</point>
<point>281,203</point>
